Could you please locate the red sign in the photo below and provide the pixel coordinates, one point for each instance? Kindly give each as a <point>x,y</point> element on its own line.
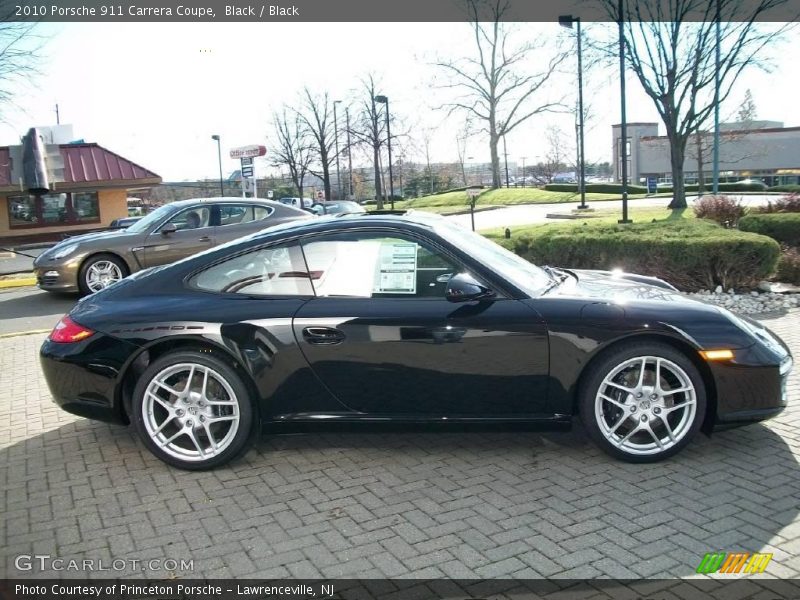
<point>248,151</point>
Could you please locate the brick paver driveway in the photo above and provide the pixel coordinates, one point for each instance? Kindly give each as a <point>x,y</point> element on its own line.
<point>408,504</point>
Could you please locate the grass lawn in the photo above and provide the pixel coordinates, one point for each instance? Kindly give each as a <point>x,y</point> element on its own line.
<point>642,218</point>
<point>503,197</point>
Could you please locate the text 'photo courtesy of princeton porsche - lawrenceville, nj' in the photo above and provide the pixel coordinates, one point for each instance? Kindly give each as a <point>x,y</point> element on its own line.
<point>366,299</point>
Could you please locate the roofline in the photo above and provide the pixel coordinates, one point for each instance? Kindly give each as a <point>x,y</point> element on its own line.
<point>638,124</point>
<point>731,132</point>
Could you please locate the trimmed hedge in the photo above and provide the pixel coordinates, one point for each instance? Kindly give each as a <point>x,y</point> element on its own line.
<point>595,188</point>
<point>785,188</point>
<point>691,254</point>
<point>783,227</point>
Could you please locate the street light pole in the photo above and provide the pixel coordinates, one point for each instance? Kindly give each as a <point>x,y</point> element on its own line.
<point>623,150</point>
<point>215,137</point>
<point>505,157</point>
<point>336,145</point>
<point>349,157</point>
<point>567,21</point>
<point>385,100</point>
<point>523,170</point>
<point>717,58</point>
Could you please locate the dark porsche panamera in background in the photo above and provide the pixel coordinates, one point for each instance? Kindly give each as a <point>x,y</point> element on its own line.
<point>366,318</point>
<point>90,262</point>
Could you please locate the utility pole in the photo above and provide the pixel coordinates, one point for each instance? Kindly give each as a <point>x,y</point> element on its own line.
<point>505,157</point>
<point>349,156</point>
<point>715,167</point>
<point>623,149</point>
<point>336,144</point>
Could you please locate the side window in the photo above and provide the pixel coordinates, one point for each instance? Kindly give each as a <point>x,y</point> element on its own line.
<point>192,218</point>
<point>232,214</point>
<point>274,271</point>
<point>368,265</point>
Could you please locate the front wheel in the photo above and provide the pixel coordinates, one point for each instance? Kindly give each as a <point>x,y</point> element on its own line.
<point>193,411</point>
<point>99,272</point>
<point>643,403</point>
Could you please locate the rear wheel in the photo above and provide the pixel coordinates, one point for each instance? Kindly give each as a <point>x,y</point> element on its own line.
<point>193,411</point>
<point>643,402</point>
<point>100,271</point>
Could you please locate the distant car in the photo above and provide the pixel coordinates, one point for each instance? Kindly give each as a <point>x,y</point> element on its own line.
<point>88,263</point>
<point>345,207</point>
<point>124,222</point>
<point>754,183</point>
<point>306,203</point>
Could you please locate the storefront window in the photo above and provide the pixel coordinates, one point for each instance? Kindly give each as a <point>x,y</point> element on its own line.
<point>52,210</point>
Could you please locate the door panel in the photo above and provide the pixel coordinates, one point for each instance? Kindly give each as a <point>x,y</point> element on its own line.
<point>428,356</point>
<point>193,234</point>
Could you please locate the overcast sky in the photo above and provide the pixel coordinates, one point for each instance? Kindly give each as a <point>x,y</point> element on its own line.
<point>155,93</point>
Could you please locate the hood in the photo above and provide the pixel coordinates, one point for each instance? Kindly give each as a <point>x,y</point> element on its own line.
<point>99,238</point>
<point>618,286</point>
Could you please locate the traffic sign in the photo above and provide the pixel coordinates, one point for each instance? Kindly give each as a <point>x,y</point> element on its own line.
<point>248,151</point>
<point>247,161</point>
<point>247,172</point>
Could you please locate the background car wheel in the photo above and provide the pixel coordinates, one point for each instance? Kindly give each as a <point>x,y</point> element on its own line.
<point>642,402</point>
<point>193,411</point>
<point>100,271</point>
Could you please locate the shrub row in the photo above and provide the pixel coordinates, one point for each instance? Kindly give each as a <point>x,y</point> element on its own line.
<point>785,188</point>
<point>783,227</point>
<point>595,188</point>
<point>690,254</point>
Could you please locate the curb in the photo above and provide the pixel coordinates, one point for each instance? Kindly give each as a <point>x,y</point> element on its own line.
<point>13,283</point>
<point>21,333</point>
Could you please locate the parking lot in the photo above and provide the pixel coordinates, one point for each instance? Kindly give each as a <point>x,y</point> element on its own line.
<point>410,504</point>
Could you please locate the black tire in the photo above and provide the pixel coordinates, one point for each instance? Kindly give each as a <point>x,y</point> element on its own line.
<point>236,446</point>
<point>83,284</point>
<point>636,410</point>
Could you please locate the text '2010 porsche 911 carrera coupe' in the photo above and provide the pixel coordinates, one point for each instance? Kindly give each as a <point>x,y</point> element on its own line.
<point>365,318</point>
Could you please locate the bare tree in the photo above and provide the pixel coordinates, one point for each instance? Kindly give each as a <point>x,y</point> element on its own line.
<point>671,46</point>
<point>496,86</point>
<point>461,148</point>
<point>369,130</point>
<point>20,52</point>
<point>747,109</point>
<point>291,146</point>
<point>316,114</point>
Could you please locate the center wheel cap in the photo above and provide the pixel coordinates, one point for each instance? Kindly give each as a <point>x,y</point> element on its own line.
<point>644,405</point>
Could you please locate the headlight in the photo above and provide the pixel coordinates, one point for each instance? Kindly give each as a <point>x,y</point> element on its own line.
<point>758,332</point>
<point>65,251</point>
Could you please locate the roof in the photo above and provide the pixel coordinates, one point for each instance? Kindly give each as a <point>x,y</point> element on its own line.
<point>732,132</point>
<point>88,165</point>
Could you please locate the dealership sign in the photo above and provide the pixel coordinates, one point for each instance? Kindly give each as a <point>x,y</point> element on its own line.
<point>248,151</point>
<point>246,154</point>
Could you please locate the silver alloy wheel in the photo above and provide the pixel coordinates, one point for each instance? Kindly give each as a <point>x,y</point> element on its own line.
<point>101,274</point>
<point>645,405</point>
<point>190,412</point>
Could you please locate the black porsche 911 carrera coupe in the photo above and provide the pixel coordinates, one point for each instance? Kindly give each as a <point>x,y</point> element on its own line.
<point>366,318</point>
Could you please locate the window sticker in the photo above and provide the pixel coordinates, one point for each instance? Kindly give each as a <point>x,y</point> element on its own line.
<point>396,268</point>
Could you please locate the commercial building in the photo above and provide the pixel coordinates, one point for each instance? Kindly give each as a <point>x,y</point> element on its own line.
<point>51,187</point>
<point>760,150</point>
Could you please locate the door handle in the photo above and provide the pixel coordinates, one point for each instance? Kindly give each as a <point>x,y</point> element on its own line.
<point>323,335</point>
<point>205,238</point>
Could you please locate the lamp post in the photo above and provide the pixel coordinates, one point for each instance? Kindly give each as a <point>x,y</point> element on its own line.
<point>523,170</point>
<point>336,145</point>
<point>623,130</point>
<point>505,157</point>
<point>385,100</point>
<point>215,137</point>
<point>349,157</point>
<point>718,41</point>
<point>567,21</point>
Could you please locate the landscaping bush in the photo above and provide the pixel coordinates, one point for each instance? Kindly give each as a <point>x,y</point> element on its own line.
<point>785,204</point>
<point>721,209</point>
<point>595,188</point>
<point>785,188</point>
<point>783,227</point>
<point>789,266</point>
<point>688,253</point>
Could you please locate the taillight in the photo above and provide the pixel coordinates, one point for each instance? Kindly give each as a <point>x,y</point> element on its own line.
<point>68,331</point>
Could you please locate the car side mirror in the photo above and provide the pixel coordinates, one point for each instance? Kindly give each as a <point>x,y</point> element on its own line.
<point>464,288</point>
<point>168,228</point>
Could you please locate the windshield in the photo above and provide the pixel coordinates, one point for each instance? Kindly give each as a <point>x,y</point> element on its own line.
<point>525,275</point>
<point>145,223</point>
